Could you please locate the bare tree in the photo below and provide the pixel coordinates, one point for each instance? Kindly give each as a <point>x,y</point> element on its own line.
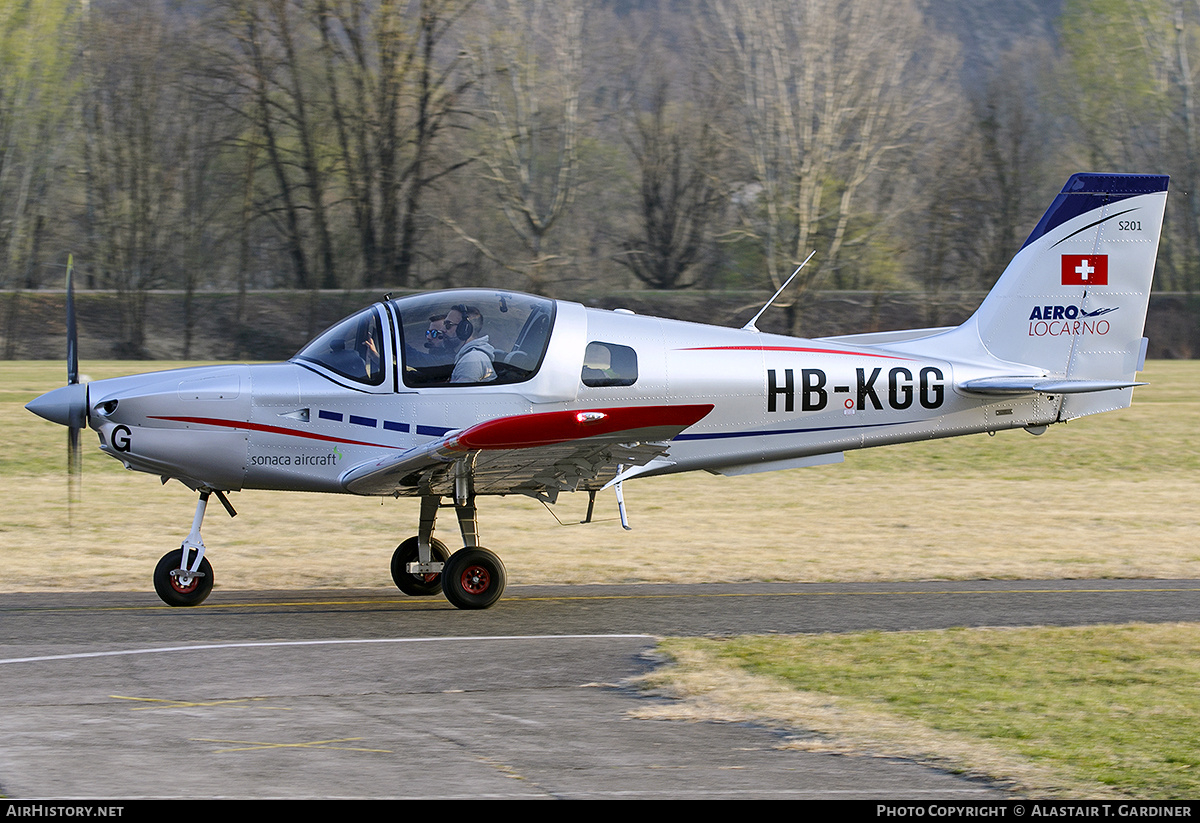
<point>271,50</point>
<point>1012,121</point>
<point>679,153</point>
<point>390,97</point>
<point>832,94</point>
<point>38,88</point>
<point>527,59</point>
<point>148,149</point>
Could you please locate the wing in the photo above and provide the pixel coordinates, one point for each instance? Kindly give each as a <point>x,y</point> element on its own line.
<point>531,454</point>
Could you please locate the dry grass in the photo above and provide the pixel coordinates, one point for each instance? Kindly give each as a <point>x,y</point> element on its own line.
<point>1109,496</point>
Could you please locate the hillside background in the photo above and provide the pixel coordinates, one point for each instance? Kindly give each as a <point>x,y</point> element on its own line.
<point>231,175</point>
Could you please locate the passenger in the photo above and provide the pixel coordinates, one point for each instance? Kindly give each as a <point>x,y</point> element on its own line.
<point>473,353</point>
<point>435,335</point>
<point>343,360</point>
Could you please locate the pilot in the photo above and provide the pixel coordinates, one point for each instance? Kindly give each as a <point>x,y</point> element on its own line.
<point>432,358</point>
<point>371,345</point>
<point>473,353</point>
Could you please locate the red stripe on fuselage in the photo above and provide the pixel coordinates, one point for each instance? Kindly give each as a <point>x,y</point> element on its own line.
<point>520,431</point>
<point>259,427</point>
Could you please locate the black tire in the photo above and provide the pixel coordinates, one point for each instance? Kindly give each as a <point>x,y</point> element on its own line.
<point>473,578</point>
<point>168,587</point>
<point>417,585</point>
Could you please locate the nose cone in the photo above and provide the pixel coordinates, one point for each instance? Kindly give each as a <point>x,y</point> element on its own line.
<point>66,406</point>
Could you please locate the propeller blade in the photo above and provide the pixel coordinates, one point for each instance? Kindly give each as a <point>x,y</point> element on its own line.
<point>72,335</point>
<point>74,468</point>
<point>74,453</point>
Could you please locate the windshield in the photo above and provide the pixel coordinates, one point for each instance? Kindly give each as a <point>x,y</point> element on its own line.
<point>471,337</point>
<point>350,347</point>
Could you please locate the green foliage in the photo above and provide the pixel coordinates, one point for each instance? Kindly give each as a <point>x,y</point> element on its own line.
<point>1107,47</point>
<point>36,58</point>
<point>37,98</point>
<point>1117,74</point>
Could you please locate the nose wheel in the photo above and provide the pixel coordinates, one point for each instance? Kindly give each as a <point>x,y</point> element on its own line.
<point>179,586</point>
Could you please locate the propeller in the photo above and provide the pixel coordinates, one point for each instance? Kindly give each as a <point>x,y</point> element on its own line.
<point>68,405</point>
<point>74,454</point>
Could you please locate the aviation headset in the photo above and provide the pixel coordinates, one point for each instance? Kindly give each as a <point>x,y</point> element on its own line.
<point>465,329</point>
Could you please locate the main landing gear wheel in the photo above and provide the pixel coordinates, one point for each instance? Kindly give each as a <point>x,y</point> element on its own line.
<point>473,578</point>
<point>417,585</point>
<point>182,588</point>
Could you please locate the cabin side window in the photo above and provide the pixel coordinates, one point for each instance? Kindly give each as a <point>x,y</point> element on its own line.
<point>609,364</point>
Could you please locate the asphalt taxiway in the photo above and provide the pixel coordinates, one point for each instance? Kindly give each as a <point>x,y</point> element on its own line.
<point>368,693</point>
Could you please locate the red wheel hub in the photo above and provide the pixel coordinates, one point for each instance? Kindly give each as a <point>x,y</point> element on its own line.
<point>193,582</point>
<point>476,579</point>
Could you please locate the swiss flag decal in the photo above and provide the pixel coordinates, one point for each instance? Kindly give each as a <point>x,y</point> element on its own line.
<point>1085,269</point>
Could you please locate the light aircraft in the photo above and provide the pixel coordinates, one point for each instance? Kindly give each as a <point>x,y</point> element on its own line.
<point>450,395</point>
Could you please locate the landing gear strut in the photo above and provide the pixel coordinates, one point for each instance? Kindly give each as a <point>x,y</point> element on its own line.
<point>184,577</point>
<point>471,578</point>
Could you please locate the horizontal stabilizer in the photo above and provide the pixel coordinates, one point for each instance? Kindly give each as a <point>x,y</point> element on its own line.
<point>1041,385</point>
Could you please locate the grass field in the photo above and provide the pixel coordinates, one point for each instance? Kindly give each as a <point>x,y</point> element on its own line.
<point>1087,712</point>
<point>1104,711</point>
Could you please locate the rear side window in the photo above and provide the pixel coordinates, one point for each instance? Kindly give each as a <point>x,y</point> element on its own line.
<point>609,364</point>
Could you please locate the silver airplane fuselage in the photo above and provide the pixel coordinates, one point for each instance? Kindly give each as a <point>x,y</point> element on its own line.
<point>777,402</point>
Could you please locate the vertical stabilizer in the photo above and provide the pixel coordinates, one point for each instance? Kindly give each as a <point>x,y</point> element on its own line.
<point>1072,303</point>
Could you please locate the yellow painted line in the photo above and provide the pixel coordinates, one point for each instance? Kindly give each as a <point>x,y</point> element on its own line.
<point>161,703</point>
<point>845,593</point>
<point>420,602</point>
<point>210,606</point>
<point>254,745</point>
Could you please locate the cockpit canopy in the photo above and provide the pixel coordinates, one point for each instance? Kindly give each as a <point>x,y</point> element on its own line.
<point>463,337</point>
<point>443,330</point>
<point>352,348</point>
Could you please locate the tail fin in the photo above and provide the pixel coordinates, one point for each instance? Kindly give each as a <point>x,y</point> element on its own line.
<point>1072,303</point>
